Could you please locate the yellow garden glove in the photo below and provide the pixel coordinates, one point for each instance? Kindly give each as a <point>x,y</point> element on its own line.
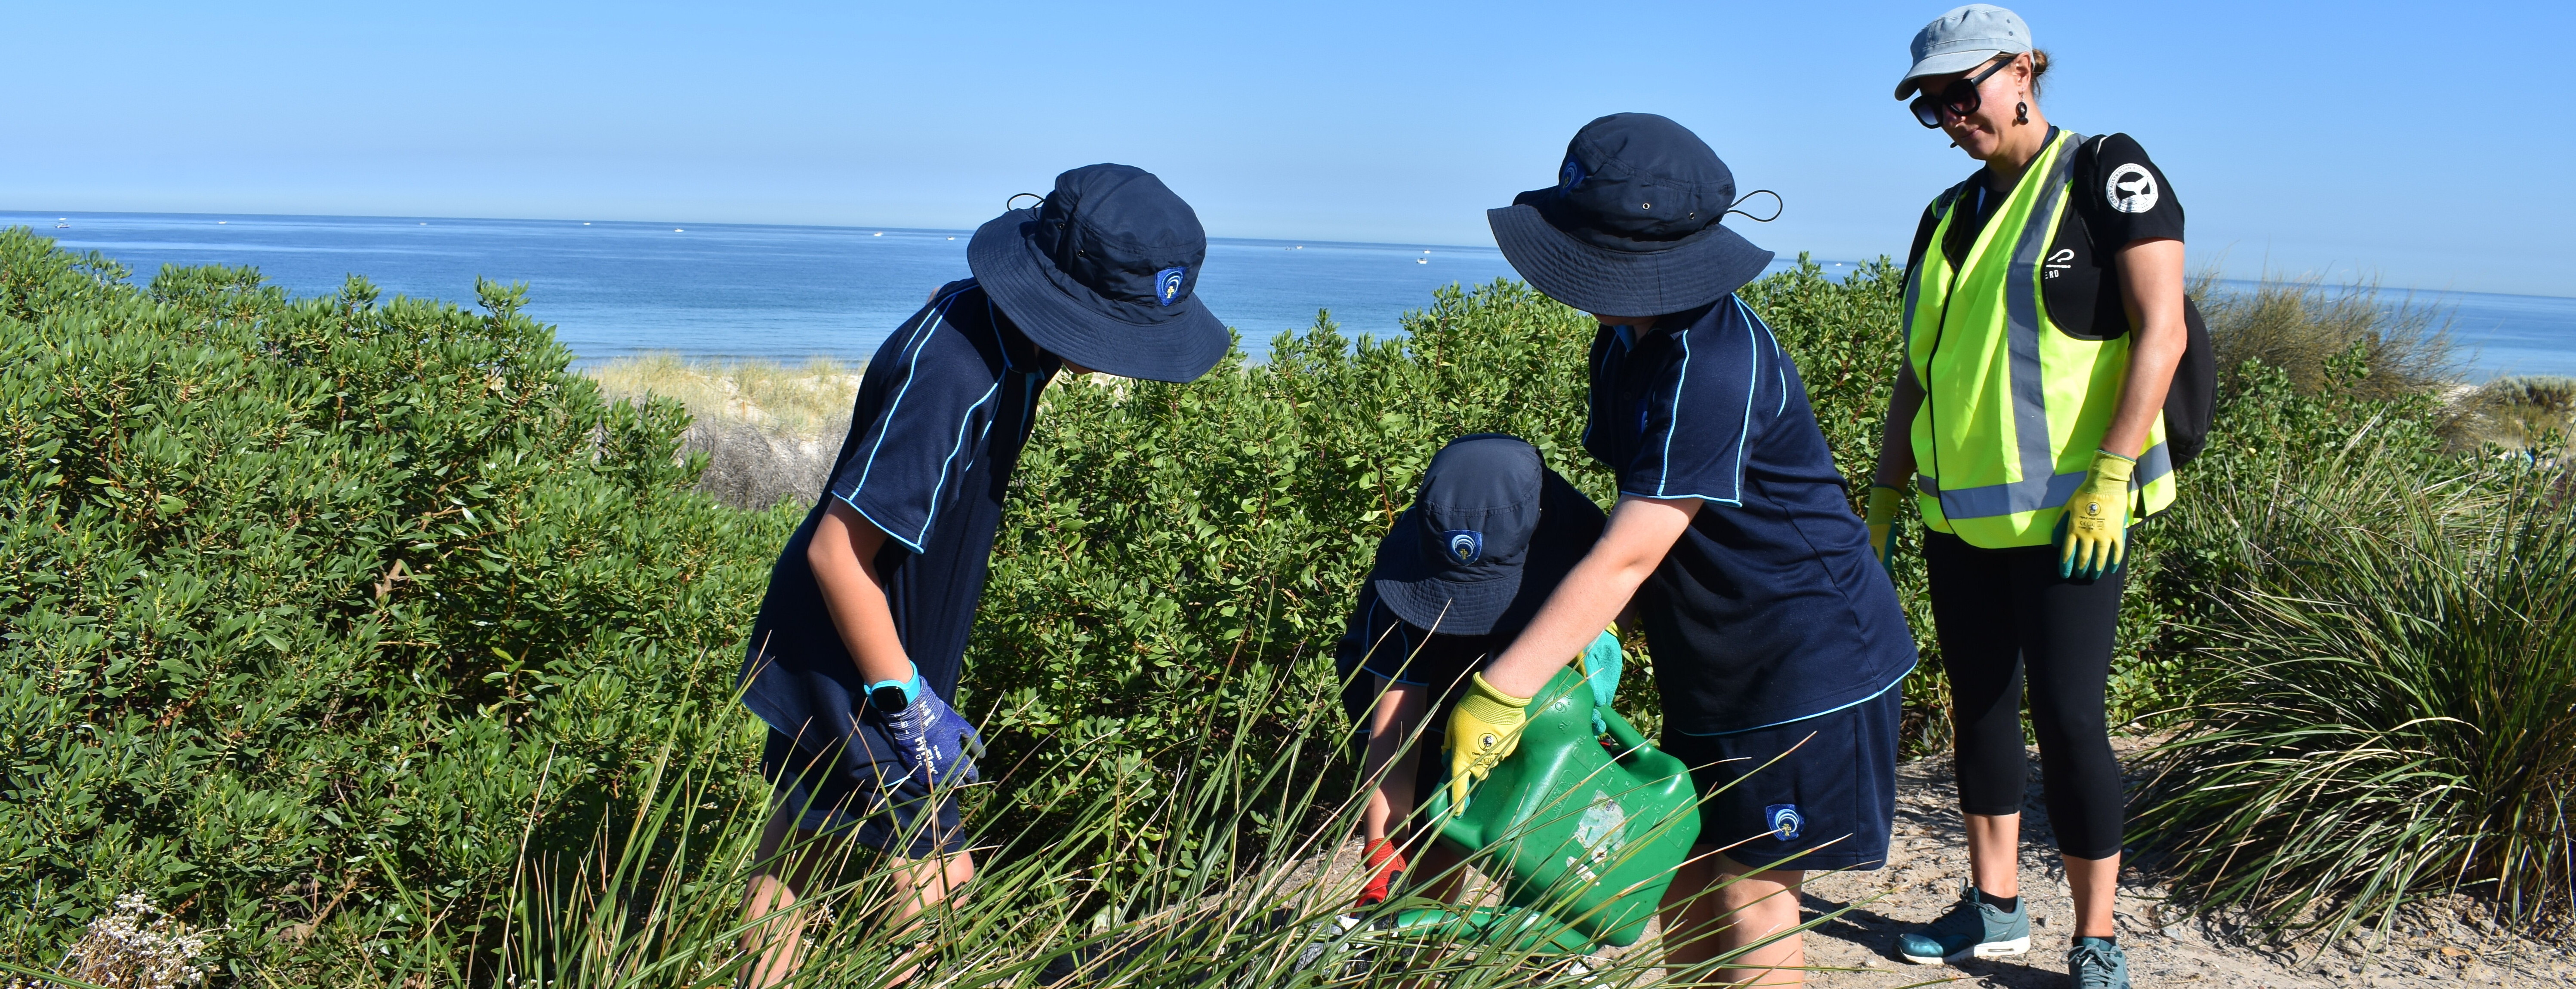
<point>1881,519</point>
<point>1483,728</point>
<point>2096,522</point>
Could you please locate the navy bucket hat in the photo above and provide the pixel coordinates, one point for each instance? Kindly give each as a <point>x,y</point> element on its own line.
<point>1631,226</point>
<point>1101,273</point>
<point>1490,534</point>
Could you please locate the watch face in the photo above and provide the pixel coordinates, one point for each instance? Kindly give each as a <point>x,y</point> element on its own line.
<point>887,699</point>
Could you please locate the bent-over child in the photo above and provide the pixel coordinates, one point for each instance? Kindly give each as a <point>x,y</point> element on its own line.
<point>860,643</point>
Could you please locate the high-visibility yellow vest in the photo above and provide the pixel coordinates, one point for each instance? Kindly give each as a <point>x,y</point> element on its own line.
<point>2013,406</point>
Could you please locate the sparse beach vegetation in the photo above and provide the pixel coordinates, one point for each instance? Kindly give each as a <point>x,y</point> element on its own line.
<point>380,646</point>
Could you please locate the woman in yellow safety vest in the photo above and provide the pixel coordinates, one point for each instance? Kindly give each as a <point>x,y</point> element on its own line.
<point>2044,317</point>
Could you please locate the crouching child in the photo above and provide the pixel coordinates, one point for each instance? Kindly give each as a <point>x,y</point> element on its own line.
<point>857,651</point>
<point>1490,533</point>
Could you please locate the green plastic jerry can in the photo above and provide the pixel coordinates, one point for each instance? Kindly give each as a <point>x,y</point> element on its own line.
<point>1584,833</point>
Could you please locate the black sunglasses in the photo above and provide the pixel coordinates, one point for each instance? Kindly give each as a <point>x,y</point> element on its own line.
<point>1960,96</point>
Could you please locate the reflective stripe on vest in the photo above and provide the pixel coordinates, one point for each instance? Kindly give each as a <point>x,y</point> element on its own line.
<point>2000,490</point>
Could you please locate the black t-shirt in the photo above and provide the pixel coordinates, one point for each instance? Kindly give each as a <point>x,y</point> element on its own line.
<point>942,412</point>
<point>2120,198</point>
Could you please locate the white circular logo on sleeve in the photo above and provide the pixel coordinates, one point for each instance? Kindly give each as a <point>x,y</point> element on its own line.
<point>2132,189</point>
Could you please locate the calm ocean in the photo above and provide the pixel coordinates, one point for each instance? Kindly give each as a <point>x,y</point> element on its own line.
<point>780,292</point>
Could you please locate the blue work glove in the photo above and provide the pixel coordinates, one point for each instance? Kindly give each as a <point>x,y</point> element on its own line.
<point>932,742</point>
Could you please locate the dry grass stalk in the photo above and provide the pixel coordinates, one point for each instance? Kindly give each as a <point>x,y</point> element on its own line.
<point>2298,323</point>
<point>2521,413</point>
<point>768,430</point>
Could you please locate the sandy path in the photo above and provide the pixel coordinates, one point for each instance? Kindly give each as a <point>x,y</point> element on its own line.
<point>2451,943</point>
<point>1927,858</point>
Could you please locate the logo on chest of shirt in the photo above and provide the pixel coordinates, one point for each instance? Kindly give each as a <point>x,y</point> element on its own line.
<point>2058,263</point>
<point>1167,285</point>
<point>1464,546</point>
<point>2131,189</point>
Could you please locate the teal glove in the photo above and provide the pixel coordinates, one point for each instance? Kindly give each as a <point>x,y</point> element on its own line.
<point>2094,529</point>
<point>1881,520</point>
<point>1601,666</point>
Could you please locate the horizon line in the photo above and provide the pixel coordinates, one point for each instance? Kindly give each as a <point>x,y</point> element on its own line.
<point>1777,258</point>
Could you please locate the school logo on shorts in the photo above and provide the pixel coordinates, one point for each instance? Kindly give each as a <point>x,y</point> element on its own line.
<point>1784,820</point>
<point>1464,546</point>
<point>1167,285</point>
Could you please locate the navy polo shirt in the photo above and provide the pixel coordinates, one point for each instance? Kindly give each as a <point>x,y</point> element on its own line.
<point>1769,608</point>
<point>943,410</point>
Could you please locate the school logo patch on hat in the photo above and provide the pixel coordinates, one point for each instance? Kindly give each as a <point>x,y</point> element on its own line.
<point>1784,820</point>
<point>1167,285</point>
<point>1571,175</point>
<point>1465,546</point>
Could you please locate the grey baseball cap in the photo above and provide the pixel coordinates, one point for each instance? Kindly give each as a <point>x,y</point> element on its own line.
<point>1963,39</point>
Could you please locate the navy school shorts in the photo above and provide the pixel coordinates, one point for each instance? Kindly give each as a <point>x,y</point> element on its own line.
<point>1833,796</point>
<point>858,805</point>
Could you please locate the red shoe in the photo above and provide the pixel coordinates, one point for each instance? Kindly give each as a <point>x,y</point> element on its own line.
<point>1385,866</point>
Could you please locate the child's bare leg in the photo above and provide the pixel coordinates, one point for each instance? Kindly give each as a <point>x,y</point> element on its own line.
<point>1760,905</point>
<point>1389,767</point>
<point>1391,726</point>
<point>920,884</point>
<point>775,888</point>
<point>1689,913</point>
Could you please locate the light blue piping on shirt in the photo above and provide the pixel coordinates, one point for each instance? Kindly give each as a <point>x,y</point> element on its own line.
<point>1779,359</point>
<point>1752,389</point>
<point>1874,695</point>
<point>942,484</point>
<point>1675,424</point>
<point>872,520</point>
<point>912,363</point>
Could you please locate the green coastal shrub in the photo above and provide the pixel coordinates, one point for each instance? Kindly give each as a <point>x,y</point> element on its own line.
<point>315,613</point>
<point>364,633</point>
<point>1163,537</point>
<point>2376,670</point>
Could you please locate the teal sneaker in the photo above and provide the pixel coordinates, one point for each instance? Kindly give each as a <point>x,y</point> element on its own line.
<point>1970,930</point>
<point>2097,964</point>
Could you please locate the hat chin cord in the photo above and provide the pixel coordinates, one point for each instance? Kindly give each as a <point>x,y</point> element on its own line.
<point>1780,206</point>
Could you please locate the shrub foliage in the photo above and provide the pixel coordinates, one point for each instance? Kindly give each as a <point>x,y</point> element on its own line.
<point>354,629</point>
<point>2379,692</point>
<point>308,602</point>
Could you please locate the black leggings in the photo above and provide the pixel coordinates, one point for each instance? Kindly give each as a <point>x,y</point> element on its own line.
<point>1999,613</point>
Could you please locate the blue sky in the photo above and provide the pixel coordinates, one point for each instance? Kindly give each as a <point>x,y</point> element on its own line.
<point>2425,144</point>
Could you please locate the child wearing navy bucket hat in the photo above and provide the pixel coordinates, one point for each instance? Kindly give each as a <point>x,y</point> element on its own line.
<point>1777,639</point>
<point>861,640</point>
<point>1489,534</point>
